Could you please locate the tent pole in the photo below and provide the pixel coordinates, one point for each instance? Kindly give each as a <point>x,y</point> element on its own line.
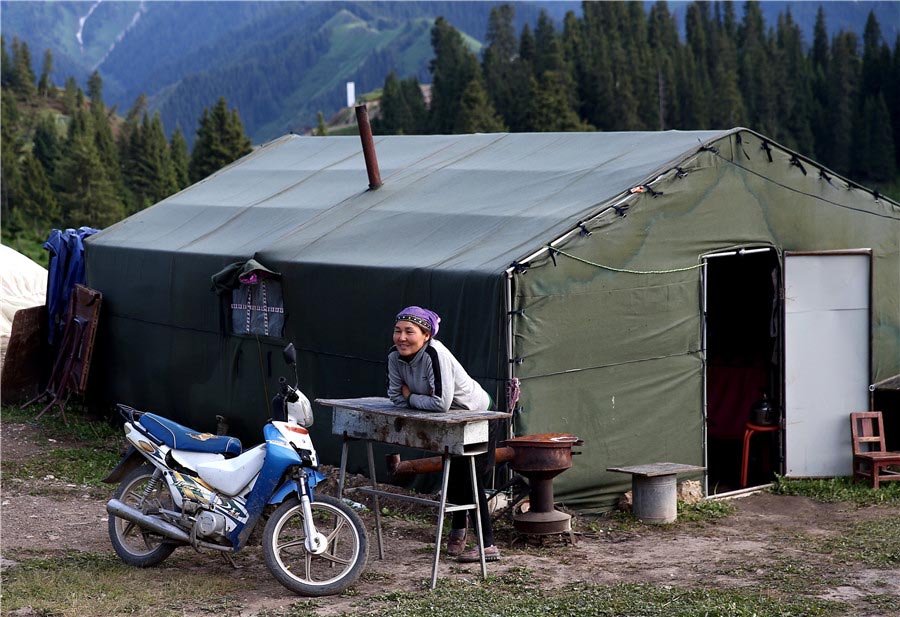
<point>510,370</point>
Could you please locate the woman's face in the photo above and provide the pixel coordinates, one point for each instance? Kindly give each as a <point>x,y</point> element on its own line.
<point>409,338</point>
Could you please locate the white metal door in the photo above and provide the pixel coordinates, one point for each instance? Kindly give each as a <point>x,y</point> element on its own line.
<point>827,330</point>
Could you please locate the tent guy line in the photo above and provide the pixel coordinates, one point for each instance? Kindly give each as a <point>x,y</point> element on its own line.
<point>581,369</point>
<point>828,201</point>
<point>554,250</point>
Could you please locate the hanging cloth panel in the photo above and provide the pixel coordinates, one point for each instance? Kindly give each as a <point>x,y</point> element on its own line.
<point>258,308</point>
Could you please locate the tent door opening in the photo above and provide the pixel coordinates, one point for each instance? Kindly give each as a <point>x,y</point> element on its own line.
<point>741,338</point>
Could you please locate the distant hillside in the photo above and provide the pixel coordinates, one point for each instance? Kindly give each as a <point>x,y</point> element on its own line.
<point>281,62</point>
<point>278,62</point>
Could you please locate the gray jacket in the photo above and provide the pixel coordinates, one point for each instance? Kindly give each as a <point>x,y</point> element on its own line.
<point>437,380</point>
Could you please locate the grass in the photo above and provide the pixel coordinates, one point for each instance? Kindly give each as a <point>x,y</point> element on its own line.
<point>76,584</point>
<point>699,513</point>
<point>874,543</point>
<point>69,583</point>
<point>86,450</point>
<point>839,489</point>
<point>518,595</point>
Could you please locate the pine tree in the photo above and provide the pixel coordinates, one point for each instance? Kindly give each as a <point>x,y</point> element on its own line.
<point>22,73</point>
<point>843,87</point>
<point>45,88</point>
<point>504,74</point>
<point>793,87</point>
<point>47,147</point>
<point>574,51</point>
<point>220,140</point>
<point>727,110</point>
<point>892,96</point>
<point>665,47</point>
<point>818,63</point>
<point>597,90</point>
<point>550,109</point>
<point>38,208</point>
<point>180,159</point>
<point>87,196</point>
<point>526,46</point>
<point>70,96</point>
<point>550,58</point>
<point>876,59</point>
<point>415,103</point>
<point>452,69</point>
<point>5,65</point>
<point>477,113</point>
<point>547,49</point>
<point>152,176</point>
<point>321,127</point>
<point>624,104</point>
<point>103,137</point>
<point>95,92</point>
<point>755,72</point>
<point>395,118</point>
<point>874,156</point>
<point>10,175</point>
<point>637,49</point>
<point>700,93</point>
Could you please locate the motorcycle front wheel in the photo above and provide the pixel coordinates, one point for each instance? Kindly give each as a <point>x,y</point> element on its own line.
<point>328,573</point>
<point>134,545</point>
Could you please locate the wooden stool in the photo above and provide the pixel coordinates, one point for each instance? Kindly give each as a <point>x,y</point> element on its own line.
<point>748,433</point>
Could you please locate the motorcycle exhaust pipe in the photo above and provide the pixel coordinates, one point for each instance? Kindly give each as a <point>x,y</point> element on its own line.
<point>126,512</point>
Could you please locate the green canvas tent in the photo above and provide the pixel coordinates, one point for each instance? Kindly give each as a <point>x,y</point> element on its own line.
<point>638,290</point>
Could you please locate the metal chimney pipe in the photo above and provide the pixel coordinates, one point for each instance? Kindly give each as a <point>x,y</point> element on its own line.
<point>368,146</point>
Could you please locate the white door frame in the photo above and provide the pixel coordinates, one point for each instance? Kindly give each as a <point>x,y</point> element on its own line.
<point>704,281</point>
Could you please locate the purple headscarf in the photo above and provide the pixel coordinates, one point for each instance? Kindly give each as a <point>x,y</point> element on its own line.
<point>421,317</point>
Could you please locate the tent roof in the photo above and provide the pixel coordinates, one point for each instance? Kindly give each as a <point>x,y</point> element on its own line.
<point>454,202</point>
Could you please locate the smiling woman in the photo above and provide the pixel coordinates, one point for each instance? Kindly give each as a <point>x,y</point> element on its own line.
<point>423,374</point>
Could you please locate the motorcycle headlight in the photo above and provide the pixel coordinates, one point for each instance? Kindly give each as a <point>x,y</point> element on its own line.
<point>300,411</point>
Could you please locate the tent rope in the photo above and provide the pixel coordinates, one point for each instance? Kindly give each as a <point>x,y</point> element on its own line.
<point>591,263</point>
<point>817,197</point>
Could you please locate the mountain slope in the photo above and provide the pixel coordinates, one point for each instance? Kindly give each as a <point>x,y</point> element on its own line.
<point>281,62</point>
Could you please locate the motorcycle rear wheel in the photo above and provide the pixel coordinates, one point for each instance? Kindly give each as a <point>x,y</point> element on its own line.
<point>303,572</point>
<point>134,545</point>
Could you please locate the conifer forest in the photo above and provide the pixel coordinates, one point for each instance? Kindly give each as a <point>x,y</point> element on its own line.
<point>68,160</point>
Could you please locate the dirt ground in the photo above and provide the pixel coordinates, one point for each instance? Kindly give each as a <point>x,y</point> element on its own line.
<point>47,516</point>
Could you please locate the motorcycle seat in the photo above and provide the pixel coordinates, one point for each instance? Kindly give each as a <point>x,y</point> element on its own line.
<point>179,437</point>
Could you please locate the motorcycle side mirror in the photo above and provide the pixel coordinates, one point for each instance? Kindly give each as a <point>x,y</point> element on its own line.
<point>290,354</point>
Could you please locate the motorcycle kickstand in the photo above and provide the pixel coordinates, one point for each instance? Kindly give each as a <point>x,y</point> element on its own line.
<point>229,559</point>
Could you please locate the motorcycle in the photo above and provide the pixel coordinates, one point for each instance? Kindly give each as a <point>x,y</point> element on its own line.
<point>181,487</point>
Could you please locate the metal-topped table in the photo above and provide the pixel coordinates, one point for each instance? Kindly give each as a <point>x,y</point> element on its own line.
<point>654,491</point>
<point>454,433</point>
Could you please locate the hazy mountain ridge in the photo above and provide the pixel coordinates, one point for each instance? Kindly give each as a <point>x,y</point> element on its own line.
<point>280,62</point>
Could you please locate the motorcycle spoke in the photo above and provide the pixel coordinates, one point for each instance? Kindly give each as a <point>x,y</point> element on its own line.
<point>337,529</point>
<point>307,561</point>
<point>292,543</point>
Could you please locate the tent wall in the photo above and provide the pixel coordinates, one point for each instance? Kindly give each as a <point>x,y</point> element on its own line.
<point>171,353</point>
<point>616,357</point>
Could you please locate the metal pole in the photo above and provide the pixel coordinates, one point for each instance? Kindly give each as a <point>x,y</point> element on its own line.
<point>368,146</point>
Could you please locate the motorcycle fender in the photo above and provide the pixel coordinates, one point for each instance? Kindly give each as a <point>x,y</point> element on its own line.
<point>290,487</point>
<point>132,459</point>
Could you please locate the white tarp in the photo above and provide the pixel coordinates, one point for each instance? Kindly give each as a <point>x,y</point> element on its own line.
<point>23,283</point>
